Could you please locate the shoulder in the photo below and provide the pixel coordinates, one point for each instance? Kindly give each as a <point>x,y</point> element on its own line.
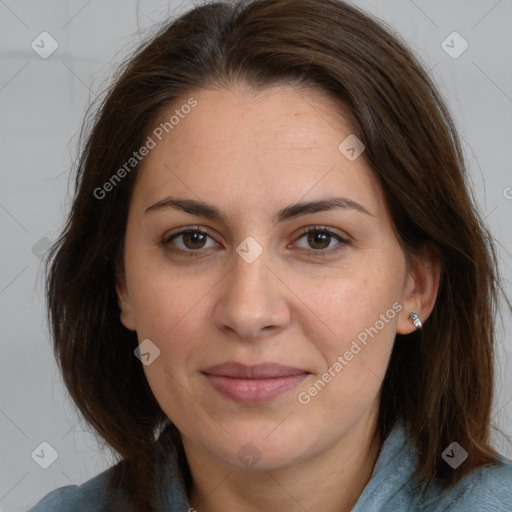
<point>88,497</point>
<point>488,488</point>
<point>394,486</point>
<point>95,496</point>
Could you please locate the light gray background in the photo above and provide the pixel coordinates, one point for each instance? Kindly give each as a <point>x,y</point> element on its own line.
<point>42,104</point>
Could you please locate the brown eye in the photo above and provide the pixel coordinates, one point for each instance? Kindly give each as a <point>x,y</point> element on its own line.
<point>318,240</point>
<point>321,241</point>
<point>188,241</point>
<point>194,239</point>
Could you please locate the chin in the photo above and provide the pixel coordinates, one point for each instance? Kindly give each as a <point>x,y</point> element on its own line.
<point>263,449</point>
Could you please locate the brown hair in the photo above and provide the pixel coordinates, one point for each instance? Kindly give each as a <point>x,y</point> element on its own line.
<point>440,379</point>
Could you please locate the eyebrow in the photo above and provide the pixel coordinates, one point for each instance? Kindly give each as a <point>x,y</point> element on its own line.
<point>208,211</point>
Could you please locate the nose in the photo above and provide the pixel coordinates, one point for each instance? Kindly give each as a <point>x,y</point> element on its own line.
<point>252,302</point>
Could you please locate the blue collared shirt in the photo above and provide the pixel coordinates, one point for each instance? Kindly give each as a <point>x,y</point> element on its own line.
<point>391,487</point>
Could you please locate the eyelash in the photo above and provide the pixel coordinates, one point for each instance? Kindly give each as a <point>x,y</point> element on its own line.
<point>312,229</point>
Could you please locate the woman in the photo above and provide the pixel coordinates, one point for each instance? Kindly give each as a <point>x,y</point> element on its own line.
<point>273,291</point>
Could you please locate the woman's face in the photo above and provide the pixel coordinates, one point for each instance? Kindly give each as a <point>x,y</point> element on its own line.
<point>247,286</point>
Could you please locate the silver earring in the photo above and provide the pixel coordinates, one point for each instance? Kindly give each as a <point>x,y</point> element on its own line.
<point>415,320</point>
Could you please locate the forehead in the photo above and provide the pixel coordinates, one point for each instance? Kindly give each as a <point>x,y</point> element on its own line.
<point>272,145</point>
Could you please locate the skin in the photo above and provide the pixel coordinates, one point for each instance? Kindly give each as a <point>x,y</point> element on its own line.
<point>251,154</point>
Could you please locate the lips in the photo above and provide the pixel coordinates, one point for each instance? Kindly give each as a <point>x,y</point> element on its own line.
<point>253,384</point>
<point>259,371</point>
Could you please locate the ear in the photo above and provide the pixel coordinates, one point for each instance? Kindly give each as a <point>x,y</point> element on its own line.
<point>421,287</point>
<point>123,301</point>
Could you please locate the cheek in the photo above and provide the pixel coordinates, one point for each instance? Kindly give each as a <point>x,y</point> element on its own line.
<point>345,308</point>
<point>354,327</point>
<point>354,361</point>
<point>171,314</point>
<point>164,305</point>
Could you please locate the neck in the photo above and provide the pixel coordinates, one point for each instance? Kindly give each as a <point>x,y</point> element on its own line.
<point>331,481</point>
